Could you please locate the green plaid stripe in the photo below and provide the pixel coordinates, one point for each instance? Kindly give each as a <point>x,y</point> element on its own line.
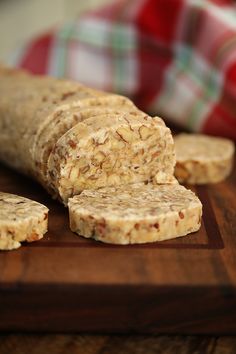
<point>203,81</point>
<point>58,57</point>
<point>100,34</point>
<point>120,41</point>
<point>114,39</point>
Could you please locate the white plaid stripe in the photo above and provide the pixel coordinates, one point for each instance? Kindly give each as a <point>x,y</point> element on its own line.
<point>225,14</point>
<point>89,68</point>
<point>96,31</point>
<point>98,53</point>
<point>185,95</point>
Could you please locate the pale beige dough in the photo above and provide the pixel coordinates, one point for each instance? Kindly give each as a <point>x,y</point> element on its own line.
<point>27,106</point>
<point>21,219</point>
<point>64,121</point>
<point>135,213</point>
<point>70,137</point>
<point>111,149</point>
<point>203,159</point>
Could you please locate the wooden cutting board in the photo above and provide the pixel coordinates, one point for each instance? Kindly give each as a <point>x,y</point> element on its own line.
<point>67,283</point>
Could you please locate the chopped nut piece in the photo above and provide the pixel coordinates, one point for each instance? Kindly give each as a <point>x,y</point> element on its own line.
<point>144,132</point>
<point>125,134</point>
<point>84,169</point>
<point>72,144</point>
<point>99,157</point>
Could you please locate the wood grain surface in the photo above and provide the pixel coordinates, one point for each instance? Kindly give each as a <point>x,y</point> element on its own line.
<point>114,344</point>
<point>66,283</point>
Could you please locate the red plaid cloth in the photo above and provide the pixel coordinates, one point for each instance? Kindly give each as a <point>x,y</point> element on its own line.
<point>176,58</point>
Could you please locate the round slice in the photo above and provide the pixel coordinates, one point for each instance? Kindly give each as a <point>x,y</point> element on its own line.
<point>21,219</point>
<point>135,213</point>
<point>64,121</point>
<point>108,150</point>
<point>202,159</point>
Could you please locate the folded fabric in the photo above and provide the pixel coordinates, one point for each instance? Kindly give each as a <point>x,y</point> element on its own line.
<point>175,58</point>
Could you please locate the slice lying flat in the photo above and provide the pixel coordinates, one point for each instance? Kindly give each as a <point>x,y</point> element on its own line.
<point>202,159</point>
<point>21,219</point>
<point>135,213</point>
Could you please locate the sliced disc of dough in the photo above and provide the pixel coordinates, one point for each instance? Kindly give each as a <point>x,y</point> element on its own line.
<point>109,150</point>
<point>202,159</point>
<point>64,122</point>
<point>21,219</point>
<point>135,213</point>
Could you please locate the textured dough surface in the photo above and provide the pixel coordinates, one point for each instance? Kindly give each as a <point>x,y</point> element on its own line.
<point>135,213</point>
<point>64,121</point>
<point>111,149</point>
<point>29,103</point>
<point>21,219</point>
<point>70,137</point>
<point>202,159</point>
